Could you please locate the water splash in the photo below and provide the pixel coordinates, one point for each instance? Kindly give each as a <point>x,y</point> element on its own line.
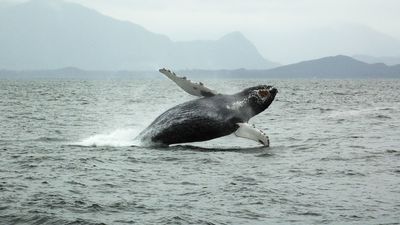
<point>117,138</point>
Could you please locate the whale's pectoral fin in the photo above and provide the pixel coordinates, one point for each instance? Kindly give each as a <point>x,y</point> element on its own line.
<point>196,89</point>
<point>248,131</point>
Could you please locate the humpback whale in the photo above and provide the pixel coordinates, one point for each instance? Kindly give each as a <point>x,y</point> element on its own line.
<point>211,115</point>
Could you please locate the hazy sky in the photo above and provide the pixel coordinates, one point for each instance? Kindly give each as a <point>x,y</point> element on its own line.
<point>256,19</point>
<point>210,19</point>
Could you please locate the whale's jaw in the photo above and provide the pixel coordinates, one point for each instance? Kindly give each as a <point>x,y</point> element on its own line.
<point>257,99</point>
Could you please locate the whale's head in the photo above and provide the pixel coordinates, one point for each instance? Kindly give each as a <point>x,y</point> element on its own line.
<point>259,98</point>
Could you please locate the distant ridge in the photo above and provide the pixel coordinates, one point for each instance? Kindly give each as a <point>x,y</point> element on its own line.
<point>388,60</point>
<point>76,73</point>
<point>339,66</point>
<point>56,34</point>
<point>332,67</point>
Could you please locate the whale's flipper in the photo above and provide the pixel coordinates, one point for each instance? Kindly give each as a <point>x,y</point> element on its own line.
<point>248,131</point>
<point>196,89</point>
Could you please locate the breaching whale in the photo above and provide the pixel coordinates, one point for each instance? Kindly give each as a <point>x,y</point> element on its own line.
<point>210,116</point>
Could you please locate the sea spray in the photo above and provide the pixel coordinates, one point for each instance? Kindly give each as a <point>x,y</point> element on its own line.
<point>117,138</point>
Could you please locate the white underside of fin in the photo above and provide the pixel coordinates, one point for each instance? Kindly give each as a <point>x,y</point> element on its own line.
<point>196,89</point>
<point>248,131</point>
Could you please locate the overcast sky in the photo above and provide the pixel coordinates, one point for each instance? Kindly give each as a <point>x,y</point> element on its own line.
<point>258,20</point>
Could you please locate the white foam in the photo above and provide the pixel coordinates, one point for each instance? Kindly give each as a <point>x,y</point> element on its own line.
<point>117,138</point>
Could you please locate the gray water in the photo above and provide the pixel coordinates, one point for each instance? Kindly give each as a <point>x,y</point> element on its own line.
<point>66,156</point>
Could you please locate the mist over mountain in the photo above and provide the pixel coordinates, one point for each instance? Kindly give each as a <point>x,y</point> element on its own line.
<point>231,51</point>
<point>338,39</point>
<point>45,34</point>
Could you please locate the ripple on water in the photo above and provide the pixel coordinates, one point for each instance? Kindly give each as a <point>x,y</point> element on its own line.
<point>333,157</point>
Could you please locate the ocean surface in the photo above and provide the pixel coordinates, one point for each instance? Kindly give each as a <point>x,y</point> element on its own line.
<point>67,156</point>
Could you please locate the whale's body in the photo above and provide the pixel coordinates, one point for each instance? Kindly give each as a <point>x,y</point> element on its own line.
<point>197,120</point>
<point>212,116</point>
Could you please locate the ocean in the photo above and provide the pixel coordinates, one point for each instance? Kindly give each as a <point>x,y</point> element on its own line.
<point>68,156</point>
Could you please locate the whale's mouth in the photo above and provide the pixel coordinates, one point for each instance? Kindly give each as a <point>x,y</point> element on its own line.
<point>273,91</point>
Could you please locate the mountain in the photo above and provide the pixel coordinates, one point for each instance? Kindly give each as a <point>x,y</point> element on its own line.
<point>388,60</point>
<point>48,34</point>
<point>231,51</point>
<point>340,66</point>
